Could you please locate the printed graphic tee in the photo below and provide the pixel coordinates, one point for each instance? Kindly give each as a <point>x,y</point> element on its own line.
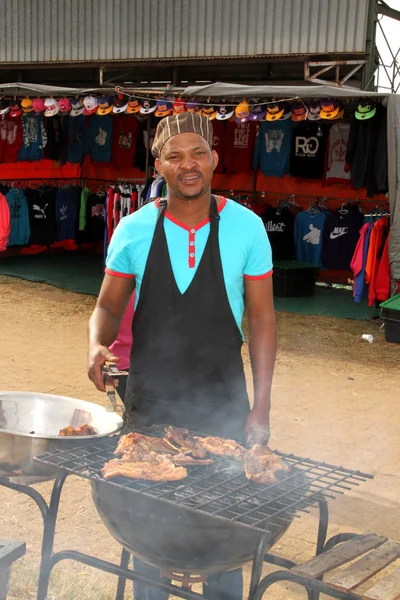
<point>279,225</point>
<point>10,138</point>
<point>125,137</point>
<point>337,170</point>
<point>272,152</point>
<point>308,150</point>
<point>308,230</point>
<point>341,233</point>
<point>100,138</point>
<point>42,215</point>
<point>239,146</point>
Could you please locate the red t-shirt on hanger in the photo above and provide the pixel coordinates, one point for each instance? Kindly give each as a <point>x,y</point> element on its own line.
<point>125,137</point>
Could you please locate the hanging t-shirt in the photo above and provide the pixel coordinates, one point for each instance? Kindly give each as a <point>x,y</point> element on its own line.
<point>145,140</point>
<point>308,150</point>
<point>20,231</point>
<point>340,237</point>
<point>273,147</point>
<point>57,137</point>
<point>77,139</point>
<point>218,142</point>
<point>100,138</point>
<point>10,138</point>
<point>66,212</point>
<point>337,170</point>
<point>240,140</point>
<point>279,224</point>
<point>308,229</point>
<point>34,138</point>
<point>95,224</point>
<point>42,215</point>
<point>125,136</point>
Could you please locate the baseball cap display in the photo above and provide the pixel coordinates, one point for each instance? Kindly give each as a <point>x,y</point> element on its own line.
<point>287,113</point>
<point>51,107</point>
<point>275,111</point>
<point>164,108</point>
<point>64,104</point>
<point>91,104</point>
<point>106,105</point>
<point>148,106</point>
<point>15,108</point>
<point>77,107</point>
<point>299,111</point>
<point>365,110</point>
<point>242,112</point>
<point>120,104</point>
<point>258,112</point>
<point>133,106</point>
<point>179,106</point>
<point>4,106</point>
<point>225,112</point>
<point>209,111</point>
<point>193,106</point>
<point>27,105</point>
<point>329,108</point>
<point>314,110</point>
<point>38,105</point>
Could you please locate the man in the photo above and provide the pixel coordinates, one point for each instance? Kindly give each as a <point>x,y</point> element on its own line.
<point>193,258</point>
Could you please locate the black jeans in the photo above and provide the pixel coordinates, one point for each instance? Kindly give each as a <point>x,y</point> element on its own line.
<point>221,586</point>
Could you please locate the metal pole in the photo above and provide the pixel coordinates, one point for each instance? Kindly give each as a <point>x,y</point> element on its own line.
<point>148,147</point>
<point>369,70</point>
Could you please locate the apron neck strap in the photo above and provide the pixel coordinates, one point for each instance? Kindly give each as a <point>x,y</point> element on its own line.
<point>214,214</point>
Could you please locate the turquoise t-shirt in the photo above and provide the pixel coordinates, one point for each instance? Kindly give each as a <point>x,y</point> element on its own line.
<point>244,246</point>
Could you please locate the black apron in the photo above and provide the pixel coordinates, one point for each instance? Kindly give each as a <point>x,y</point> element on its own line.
<point>186,367</point>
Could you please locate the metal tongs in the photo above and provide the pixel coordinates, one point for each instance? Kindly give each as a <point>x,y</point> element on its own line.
<point>110,372</point>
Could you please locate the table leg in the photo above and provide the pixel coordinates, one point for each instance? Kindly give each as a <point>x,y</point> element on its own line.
<point>124,563</point>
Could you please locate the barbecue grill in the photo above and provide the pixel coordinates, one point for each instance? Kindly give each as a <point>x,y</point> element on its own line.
<point>209,522</point>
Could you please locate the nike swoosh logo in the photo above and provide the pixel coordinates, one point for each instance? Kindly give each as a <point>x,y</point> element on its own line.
<point>333,236</point>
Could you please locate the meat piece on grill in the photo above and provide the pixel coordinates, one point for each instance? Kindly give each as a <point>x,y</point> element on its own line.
<point>129,440</point>
<point>260,464</point>
<point>221,447</point>
<point>185,459</point>
<point>160,468</point>
<point>74,431</point>
<point>184,441</point>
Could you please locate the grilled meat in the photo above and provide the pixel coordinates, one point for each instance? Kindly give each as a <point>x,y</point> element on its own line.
<point>260,464</point>
<point>185,459</point>
<point>128,441</point>
<point>184,441</point>
<point>74,431</point>
<point>221,447</point>
<point>159,468</point>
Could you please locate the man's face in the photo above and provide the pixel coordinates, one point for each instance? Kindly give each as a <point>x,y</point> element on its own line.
<point>187,165</point>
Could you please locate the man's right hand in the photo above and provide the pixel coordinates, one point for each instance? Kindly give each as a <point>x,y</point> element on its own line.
<point>96,360</point>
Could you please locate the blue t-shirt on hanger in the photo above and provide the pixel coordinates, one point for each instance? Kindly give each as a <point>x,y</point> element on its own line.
<point>272,151</point>
<point>308,230</point>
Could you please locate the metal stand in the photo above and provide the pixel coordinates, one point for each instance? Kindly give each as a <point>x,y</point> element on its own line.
<point>49,560</point>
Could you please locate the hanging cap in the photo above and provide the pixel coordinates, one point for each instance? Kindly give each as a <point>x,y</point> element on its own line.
<point>179,107</point>
<point>209,111</point>
<point>51,107</point>
<point>15,108</point>
<point>366,109</point>
<point>193,106</point>
<point>299,111</point>
<point>275,111</point>
<point>120,104</point>
<point>133,106</point>
<point>183,123</point>
<point>65,106</point>
<point>329,108</point>
<point>258,113</point>
<point>78,107</point>
<point>314,111</point>
<point>106,105</point>
<point>4,106</point>
<point>164,108</point>
<point>90,103</point>
<point>242,112</point>
<point>38,105</point>
<point>27,105</point>
<point>225,112</point>
<point>147,106</point>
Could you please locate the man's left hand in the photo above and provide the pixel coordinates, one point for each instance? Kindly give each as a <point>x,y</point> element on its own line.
<point>257,428</point>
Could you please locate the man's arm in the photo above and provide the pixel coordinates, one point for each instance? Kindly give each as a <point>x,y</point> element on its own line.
<point>262,348</point>
<point>104,323</point>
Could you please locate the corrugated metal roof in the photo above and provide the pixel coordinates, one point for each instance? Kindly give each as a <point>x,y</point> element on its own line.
<point>101,30</point>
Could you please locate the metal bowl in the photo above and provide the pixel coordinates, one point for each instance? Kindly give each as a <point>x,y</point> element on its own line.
<point>30,423</point>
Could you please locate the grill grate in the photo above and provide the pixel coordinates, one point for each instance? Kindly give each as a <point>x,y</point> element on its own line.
<point>221,489</point>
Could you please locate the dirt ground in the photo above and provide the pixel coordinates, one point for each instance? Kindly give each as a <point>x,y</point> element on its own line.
<point>335,398</point>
